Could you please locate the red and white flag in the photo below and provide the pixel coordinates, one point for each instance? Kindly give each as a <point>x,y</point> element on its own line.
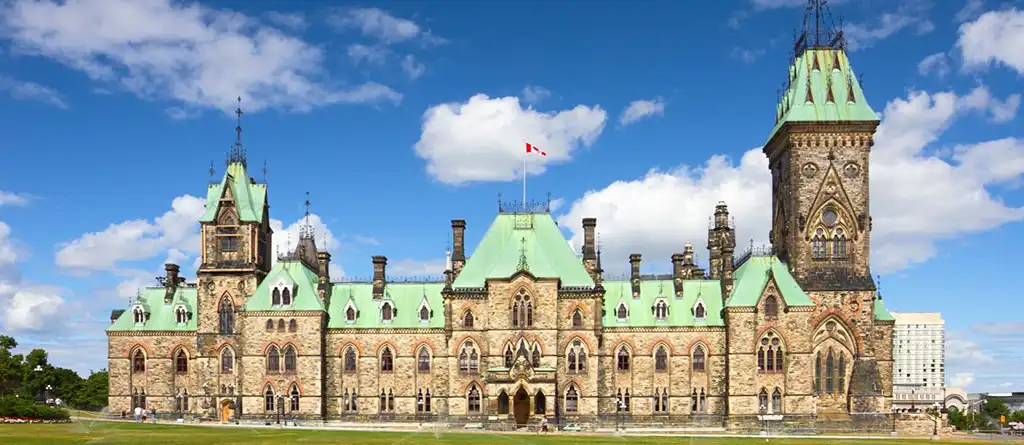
<point>534,149</point>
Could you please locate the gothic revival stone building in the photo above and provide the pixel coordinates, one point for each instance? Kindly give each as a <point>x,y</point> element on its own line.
<point>524,328</point>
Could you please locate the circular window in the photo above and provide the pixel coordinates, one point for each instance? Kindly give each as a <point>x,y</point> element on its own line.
<point>764,341</point>
<point>829,217</point>
<point>775,342</point>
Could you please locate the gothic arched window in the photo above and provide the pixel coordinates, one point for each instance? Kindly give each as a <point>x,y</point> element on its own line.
<point>467,320</point>
<point>275,298</point>
<point>468,359</point>
<point>771,307</point>
<point>423,360</point>
<point>424,314</point>
<point>294,398</point>
<point>770,353</point>
<point>776,401</point>
<point>508,357</point>
<point>350,359</point>
<point>273,359</point>
<point>473,400</point>
<point>181,362</point>
<point>660,359</point>
<point>699,312</point>
<point>830,364</point>
<point>622,359</point>
<point>180,315</point>
<point>762,401</point>
<point>817,373</point>
<point>818,250</point>
<point>577,319</point>
<point>387,361</point>
<point>576,357</point>
<point>386,312</point>
<point>286,297</point>
<point>139,315</point>
<point>572,400</point>
<point>268,399</point>
<point>839,244</point>
<point>290,359</point>
<point>698,358</point>
<point>621,313</point>
<point>535,356</point>
<point>270,325</point>
<point>841,372</point>
<point>350,314</point>
<point>280,324</point>
<point>522,310</point>
<point>660,310</point>
<point>227,361</point>
<point>138,361</point>
<point>227,315</point>
<point>293,325</point>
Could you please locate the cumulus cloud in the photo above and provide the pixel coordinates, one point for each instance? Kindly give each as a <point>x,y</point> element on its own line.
<point>24,306</point>
<point>996,37</point>
<point>484,138</point>
<point>935,63</point>
<point>961,380</point>
<point>292,20</point>
<point>986,355</point>
<point>642,109</point>
<point>22,90</point>
<point>971,10</point>
<point>183,52</point>
<point>864,35</point>
<point>534,94</point>
<point>939,198</point>
<point>12,199</point>
<point>285,239</point>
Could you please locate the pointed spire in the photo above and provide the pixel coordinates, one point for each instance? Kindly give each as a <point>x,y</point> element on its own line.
<point>523,264</point>
<point>236,155</point>
<point>306,231</point>
<point>447,260</point>
<point>212,170</point>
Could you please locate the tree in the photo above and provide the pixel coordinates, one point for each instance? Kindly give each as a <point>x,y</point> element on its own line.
<point>1017,416</point>
<point>958,419</point>
<point>18,376</point>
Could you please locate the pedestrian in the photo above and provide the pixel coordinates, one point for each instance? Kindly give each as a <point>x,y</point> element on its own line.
<point>153,413</point>
<point>138,414</point>
<point>123,413</point>
<point>544,425</point>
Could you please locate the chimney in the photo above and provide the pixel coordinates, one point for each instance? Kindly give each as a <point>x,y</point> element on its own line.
<point>721,215</point>
<point>590,249</point>
<point>458,246</point>
<point>678,274</point>
<point>634,276</point>
<point>171,281</point>
<point>725,244</point>
<point>323,260</point>
<point>380,263</point>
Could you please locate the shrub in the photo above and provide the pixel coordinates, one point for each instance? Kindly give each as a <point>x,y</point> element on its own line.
<point>19,408</point>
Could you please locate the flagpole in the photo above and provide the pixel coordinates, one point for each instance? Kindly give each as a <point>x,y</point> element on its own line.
<point>524,177</point>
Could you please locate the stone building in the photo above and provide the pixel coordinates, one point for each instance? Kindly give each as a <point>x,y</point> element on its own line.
<point>524,328</point>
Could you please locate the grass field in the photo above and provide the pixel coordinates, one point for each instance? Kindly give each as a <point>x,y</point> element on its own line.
<point>132,433</point>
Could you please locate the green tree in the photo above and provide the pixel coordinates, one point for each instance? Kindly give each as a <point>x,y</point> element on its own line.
<point>959,420</point>
<point>1017,416</point>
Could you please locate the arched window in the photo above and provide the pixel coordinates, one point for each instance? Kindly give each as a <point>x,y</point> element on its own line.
<point>464,357</point>
<point>350,314</point>
<point>419,401</point>
<point>522,310</point>
<point>290,359</point>
<point>762,401</point>
<point>382,401</point>
<point>138,361</point>
<point>771,307</point>
<point>660,310</point>
<point>391,400</point>
<point>385,312</point>
<point>817,373</point>
<point>181,362</point>
<point>539,403</point>
<point>227,316</point>
<point>572,400</point>
<point>503,402</point>
<point>467,320</point>
<point>280,324</point>
<point>830,364</point>
<point>387,361</point>
<point>294,398</point>
<point>693,401</point>
<point>770,353</point>
<point>577,319</point>
<point>699,312</point>
<point>776,401</point>
<point>426,401</point>
<point>473,400</point>
<point>535,356</point>
<point>508,357</point>
<point>139,315</point>
<point>350,359</point>
<point>268,399</point>
<point>227,361</point>
<point>423,360</point>
<point>273,359</point>
<point>180,315</point>
<point>841,372</point>
<point>286,297</point>
<point>576,357</point>
<point>275,298</point>
<point>621,313</point>
<point>424,314</point>
<point>698,359</point>
<point>660,359</point>
<point>839,241</point>
<point>818,250</point>
<point>622,362</point>
<point>270,325</point>
<point>664,400</point>
<point>293,325</point>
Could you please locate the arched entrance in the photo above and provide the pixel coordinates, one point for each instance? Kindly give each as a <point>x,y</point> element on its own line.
<point>226,411</point>
<point>521,406</point>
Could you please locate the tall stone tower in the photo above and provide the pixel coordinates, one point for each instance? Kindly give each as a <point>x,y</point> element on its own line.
<point>818,153</point>
<point>236,239</point>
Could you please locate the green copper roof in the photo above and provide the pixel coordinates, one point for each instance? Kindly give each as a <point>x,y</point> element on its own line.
<point>160,316</point>
<point>640,311</point>
<point>301,282</point>
<point>835,94</point>
<point>405,298</point>
<point>523,239</point>
<point>881,312</point>
<point>752,277</point>
<point>249,197</point>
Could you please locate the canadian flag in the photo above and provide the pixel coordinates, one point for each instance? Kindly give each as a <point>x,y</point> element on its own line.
<point>534,149</point>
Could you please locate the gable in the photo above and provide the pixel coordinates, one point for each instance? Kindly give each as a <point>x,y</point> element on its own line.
<point>680,309</point>
<point>831,193</point>
<point>161,315</point>
<point>753,276</point>
<point>406,300</point>
<point>301,281</point>
<point>249,198</point>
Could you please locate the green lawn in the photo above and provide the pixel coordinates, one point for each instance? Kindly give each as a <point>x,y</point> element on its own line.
<point>129,432</point>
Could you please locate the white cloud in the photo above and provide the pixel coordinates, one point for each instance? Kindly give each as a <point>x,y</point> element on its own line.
<point>337,273</point>
<point>938,199</point>
<point>484,139</point>
<point>961,350</point>
<point>367,240</point>
<point>412,68</point>
<point>935,63</point>
<point>533,95</point>
<point>747,55</point>
<point>22,90</point>
<point>961,380</point>
<point>24,306</point>
<point>291,20</point>
<point>1006,385</point>
<point>381,25</point>
<point>12,199</point>
<point>861,36</point>
<point>284,240</point>
<point>996,37</point>
<point>416,268</point>
<point>990,353</point>
<point>136,239</point>
<point>641,109</point>
<point>186,53</point>
<point>180,113</point>
<point>374,54</point>
<point>970,11</point>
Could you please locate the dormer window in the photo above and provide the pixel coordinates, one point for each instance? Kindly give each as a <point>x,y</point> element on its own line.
<point>350,315</point>
<point>386,312</point>
<point>424,314</point>
<point>699,312</point>
<point>283,294</point>
<point>139,315</point>
<point>622,313</point>
<point>180,315</point>
<point>286,297</point>
<point>661,310</point>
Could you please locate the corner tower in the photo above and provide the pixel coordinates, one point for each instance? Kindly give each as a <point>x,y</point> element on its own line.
<point>818,153</point>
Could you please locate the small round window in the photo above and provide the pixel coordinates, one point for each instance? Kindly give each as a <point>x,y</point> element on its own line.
<point>829,217</point>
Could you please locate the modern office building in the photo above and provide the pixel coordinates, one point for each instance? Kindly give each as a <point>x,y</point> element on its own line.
<point>919,358</point>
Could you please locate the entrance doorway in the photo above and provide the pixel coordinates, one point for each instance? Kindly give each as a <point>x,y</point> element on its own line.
<point>521,407</point>
<point>226,411</point>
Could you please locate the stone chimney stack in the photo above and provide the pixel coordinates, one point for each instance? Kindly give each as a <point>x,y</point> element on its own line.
<point>590,247</point>
<point>678,274</point>
<point>634,274</point>
<point>171,281</point>
<point>323,260</point>
<point>380,264</point>
<point>458,246</point>
<point>722,244</point>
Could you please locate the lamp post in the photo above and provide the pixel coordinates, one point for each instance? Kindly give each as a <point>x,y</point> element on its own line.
<point>913,406</point>
<point>621,404</point>
<point>893,433</point>
<point>48,394</point>
<point>39,393</point>
<point>936,419</point>
<point>280,407</point>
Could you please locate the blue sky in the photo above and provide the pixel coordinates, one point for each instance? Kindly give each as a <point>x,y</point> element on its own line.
<point>398,117</point>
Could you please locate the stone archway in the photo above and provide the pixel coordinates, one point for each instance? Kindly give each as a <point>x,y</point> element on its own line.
<point>521,406</point>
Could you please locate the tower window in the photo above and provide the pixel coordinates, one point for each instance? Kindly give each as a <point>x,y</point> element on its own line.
<point>229,243</point>
<point>818,244</point>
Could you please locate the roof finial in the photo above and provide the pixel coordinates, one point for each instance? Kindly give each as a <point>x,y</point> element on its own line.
<point>212,171</point>
<point>237,153</point>
<point>823,31</point>
<point>264,171</point>
<point>306,231</point>
<point>523,265</point>
<point>878,287</point>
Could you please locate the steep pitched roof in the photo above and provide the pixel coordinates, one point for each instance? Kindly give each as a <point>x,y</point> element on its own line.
<point>680,313</point>
<point>161,315</point>
<point>752,277</point>
<point>405,298</point>
<point>249,197</point>
<point>881,312</point>
<point>822,87</point>
<point>298,277</point>
<point>534,236</point>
